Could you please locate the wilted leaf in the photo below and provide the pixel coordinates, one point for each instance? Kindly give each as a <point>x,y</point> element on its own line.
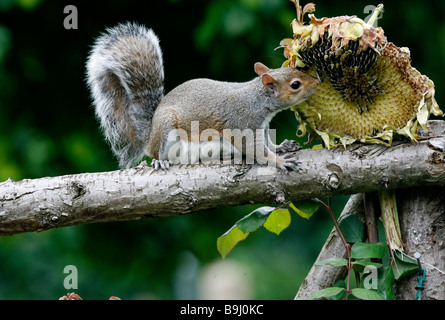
<point>308,8</point>
<point>286,42</point>
<point>300,30</point>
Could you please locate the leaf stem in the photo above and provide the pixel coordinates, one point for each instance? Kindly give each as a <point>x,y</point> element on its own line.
<point>345,243</point>
<point>297,4</point>
<point>283,205</point>
<point>337,227</point>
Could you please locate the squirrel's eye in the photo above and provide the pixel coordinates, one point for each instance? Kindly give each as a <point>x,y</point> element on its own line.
<point>295,85</point>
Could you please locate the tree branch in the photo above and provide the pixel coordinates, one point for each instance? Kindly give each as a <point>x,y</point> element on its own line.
<point>44,203</point>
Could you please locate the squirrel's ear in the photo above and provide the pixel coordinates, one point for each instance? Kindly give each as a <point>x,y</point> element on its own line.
<point>260,69</point>
<point>269,83</point>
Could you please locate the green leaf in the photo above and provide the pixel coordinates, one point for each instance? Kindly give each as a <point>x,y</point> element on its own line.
<point>403,265</point>
<point>328,292</point>
<point>386,280</point>
<point>363,250</point>
<point>336,262</point>
<point>365,263</point>
<point>366,294</point>
<point>352,228</point>
<point>360,265</point>
<point>342,294</point>
<point>255,219</point>
<point>305,208</point>
<point>229,240</point>
<point>277,221</point>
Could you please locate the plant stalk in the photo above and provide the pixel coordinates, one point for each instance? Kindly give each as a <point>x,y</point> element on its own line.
<point>345,243</point>
<point>375,15</point>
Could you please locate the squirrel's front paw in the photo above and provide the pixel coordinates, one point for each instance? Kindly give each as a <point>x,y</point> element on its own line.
<point>288,146</point>
<point>162,164</point>
<point>290,163</point>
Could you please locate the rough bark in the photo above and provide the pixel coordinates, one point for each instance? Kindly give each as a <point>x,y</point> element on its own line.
<point>422,224</point>
<point>40,204</point>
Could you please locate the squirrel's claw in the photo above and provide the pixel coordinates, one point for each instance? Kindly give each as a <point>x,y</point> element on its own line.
<point>290,164</point>
<point>162,164</point>
<point>288,146</point>
<point>287,151</point>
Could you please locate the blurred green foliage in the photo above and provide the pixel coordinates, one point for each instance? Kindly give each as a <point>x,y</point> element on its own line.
<point>47,128</point>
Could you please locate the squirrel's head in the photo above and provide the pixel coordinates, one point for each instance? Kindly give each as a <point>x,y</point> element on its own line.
<point>289,85</point>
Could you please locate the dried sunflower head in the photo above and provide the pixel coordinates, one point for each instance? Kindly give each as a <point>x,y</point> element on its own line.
<point>368,89</point>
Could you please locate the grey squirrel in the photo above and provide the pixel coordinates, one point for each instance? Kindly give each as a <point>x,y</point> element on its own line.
<point>126,77</point>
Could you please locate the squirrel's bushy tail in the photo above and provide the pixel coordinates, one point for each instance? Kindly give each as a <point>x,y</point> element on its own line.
<point>125,74</point>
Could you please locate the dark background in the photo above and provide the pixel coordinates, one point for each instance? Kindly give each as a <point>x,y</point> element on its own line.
<point>47,128</point>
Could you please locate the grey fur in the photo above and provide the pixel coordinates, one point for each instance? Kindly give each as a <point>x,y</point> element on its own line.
<point>125,75</point>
